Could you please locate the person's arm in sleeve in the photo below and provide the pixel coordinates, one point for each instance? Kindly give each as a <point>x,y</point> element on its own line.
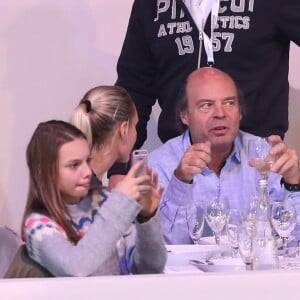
<point>172,212</point>
<point>176,173</point>
<point>288,20</point>
<point>136,69</point>
<point>172,208</point>
<point>148,255</point>
<point>50,247</point>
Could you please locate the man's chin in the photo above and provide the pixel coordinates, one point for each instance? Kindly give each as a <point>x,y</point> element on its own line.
<point>221,143</point>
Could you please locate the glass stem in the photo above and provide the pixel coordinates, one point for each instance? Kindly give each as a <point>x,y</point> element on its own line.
<point>284,242</point>
<point>217,238</point>
<point>235,251</point>
<point>249,266</point>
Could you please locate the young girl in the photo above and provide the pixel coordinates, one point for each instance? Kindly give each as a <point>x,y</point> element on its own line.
<point>73,230</point>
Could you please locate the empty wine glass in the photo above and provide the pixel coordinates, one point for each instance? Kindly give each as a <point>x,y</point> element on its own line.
<point>291,258</point>
<point>234,221</point>
<point>246,234</point>
<point>216,215</point>
<point>248,211</point>
<point>195,221</point>
<point>283,217</point>
<point>260,157</point>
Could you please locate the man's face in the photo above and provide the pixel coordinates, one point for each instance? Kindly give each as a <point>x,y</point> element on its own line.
<point>213,112</point>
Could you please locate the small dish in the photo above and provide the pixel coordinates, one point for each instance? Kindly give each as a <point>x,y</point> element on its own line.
<point>182,254</point>
<point>210,240</point>
<point>223,265</point>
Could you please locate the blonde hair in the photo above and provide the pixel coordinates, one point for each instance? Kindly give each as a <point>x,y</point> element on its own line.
<point>100,110</point>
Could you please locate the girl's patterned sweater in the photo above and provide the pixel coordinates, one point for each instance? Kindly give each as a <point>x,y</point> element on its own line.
<point>111,242</point>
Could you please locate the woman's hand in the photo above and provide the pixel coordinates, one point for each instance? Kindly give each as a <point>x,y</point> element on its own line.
<point>132,186</point>
<point>150,200</point>
<point>143,189</point>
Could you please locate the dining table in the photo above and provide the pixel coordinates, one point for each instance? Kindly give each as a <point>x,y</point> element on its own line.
<point>204,271</point>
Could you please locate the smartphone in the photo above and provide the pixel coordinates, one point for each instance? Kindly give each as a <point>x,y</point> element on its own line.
<point>140,154</point>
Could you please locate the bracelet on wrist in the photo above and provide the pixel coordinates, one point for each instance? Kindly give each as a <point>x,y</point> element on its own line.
<point>289,186</point>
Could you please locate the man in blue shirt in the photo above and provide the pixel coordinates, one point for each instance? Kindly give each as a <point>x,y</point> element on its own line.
<point>211,158</point>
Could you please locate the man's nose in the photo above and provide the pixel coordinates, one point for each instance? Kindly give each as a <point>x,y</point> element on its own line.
<point>219,111</point>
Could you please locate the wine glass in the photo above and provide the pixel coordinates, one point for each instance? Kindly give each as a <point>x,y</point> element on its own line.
<point>294,199</point>
<point>260,157</point>
<point>283,217</point>
<point>234,221</point>
<point>248,211</point>
<point>195,220</point>
<point>246,234</point>
<point>216,215</point>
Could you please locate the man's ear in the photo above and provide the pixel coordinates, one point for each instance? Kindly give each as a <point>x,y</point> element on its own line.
<point>184,118</point>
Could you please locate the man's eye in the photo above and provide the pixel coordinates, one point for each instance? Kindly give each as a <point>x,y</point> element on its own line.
<point>205,105</point>
<point>230,103</point>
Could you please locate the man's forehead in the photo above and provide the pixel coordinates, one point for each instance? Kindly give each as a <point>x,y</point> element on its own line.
<point>232,97</point>
<point>212,89</point>
<point>209,81</point>
<point>207,72</point>
<point>210,77</point>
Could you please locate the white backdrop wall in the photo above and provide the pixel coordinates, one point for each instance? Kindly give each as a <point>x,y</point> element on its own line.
<point>51,53</point>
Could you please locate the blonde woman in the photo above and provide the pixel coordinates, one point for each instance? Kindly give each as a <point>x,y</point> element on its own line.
<point>73,228</point>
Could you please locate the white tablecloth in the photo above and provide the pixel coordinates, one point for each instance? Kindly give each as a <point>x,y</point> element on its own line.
<point>183,282</point>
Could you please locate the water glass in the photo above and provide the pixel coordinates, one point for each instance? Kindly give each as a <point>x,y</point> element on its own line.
<point>260,158</point>
<point>216,215</point>
<point>294,199</point>
<point>248,211</point>
<point>246,234</point>
<point>283,217</point>
<point>234,221</point>
<point>291,258</point>
<point>195,220</point>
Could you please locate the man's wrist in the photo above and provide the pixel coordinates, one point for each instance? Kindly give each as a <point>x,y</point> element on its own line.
<point>179,176</point>
<point>291,187</point>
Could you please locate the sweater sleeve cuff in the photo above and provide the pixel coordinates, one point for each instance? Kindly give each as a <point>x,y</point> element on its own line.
<point>121,207</point>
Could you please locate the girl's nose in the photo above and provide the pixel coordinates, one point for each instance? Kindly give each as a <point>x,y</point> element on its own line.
<point>87,170</point>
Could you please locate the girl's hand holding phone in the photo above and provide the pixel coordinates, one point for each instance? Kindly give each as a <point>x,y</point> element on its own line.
<point>141,184</point>
<point>151,202</point>
<point>133,186</point>
<point>149,199</point>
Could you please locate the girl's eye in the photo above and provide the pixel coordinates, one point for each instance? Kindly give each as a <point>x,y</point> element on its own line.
<point>74,165</point>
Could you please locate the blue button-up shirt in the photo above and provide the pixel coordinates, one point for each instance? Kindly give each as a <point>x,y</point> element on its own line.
<point>237,182</point>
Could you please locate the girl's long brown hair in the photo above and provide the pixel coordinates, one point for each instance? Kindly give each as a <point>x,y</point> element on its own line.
<point>42,160</point>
